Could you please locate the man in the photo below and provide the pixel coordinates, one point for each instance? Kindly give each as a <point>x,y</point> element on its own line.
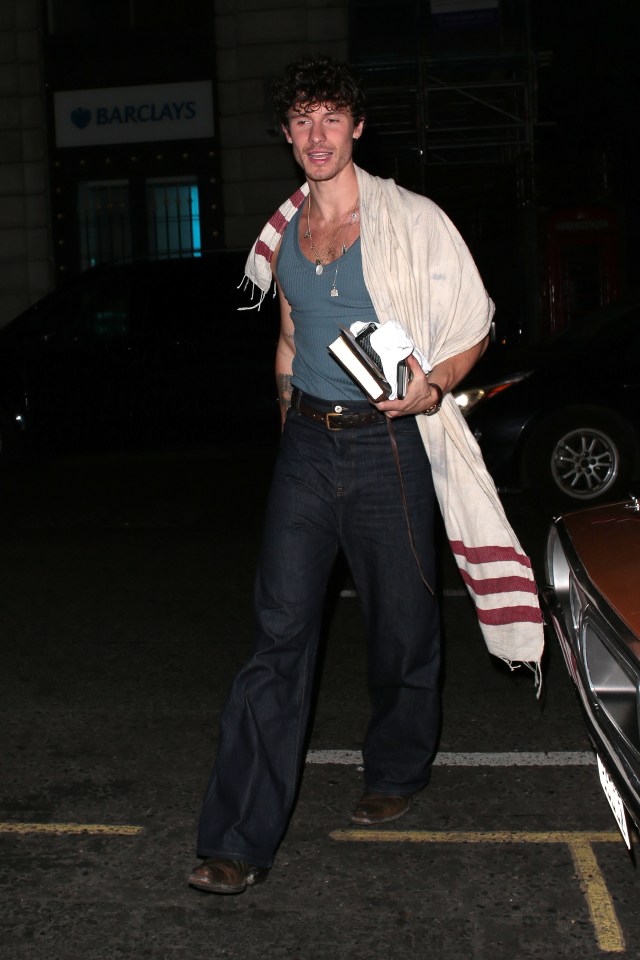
<point>359,477</point>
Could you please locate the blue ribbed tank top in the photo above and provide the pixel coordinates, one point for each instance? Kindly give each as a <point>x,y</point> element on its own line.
<point>316,314</point>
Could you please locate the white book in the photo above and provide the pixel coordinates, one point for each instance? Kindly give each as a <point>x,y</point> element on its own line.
<point>360,366</point>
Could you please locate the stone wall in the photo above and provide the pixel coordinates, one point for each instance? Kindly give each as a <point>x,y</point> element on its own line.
<point>25,252</point>
<point>254,41</point>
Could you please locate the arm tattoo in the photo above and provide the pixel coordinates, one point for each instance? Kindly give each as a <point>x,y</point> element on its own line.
<point>283,381</point>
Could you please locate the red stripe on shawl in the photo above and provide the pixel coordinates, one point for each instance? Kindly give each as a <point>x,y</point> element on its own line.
<point>278,221</point>
<point>498,584</point>
<point>504,615</point>
<point>263,250</point>
<point>297,199</point>
<point>488,554</point>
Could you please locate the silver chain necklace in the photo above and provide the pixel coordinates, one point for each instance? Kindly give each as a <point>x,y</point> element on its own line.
<point>330,254</point>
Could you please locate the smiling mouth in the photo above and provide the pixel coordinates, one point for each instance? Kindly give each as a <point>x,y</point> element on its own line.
<point>319,154</point>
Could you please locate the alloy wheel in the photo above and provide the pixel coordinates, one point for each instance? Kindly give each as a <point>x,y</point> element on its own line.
<point>585,463</point>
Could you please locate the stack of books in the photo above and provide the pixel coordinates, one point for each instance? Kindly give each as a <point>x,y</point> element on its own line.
<point>357,357</point>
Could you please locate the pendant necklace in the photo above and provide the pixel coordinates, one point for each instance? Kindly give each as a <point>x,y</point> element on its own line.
<point>330,254</point>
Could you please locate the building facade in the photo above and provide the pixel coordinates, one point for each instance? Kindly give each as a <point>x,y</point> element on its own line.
<point>140,128</point>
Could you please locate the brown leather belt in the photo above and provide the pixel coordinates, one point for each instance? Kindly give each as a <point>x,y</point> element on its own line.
<point>340,419</point>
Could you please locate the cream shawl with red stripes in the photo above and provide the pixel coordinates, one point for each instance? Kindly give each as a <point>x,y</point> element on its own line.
<point>419,272</point>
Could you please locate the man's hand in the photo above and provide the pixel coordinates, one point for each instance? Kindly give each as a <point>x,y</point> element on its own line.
<point>447,374</point>
<point>419,397</point>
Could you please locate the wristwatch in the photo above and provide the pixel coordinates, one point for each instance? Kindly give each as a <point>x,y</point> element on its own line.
<point>434,409</point>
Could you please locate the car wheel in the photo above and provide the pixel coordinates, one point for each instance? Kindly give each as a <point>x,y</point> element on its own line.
<point>579,458</point>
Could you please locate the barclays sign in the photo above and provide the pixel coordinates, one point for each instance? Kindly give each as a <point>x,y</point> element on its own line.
<point>171,111</point>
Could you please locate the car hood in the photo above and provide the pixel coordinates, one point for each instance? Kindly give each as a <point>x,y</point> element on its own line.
<point>607,540</point>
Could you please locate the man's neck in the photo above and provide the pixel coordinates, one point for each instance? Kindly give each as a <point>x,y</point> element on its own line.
<point>331,198</point>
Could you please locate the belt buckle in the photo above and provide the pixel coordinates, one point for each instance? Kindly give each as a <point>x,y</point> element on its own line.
<point>332,413</point>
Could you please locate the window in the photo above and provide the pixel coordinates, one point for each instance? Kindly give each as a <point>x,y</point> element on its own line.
<point>104,221</point>
<point>173,218</point>
<point>169,228</point>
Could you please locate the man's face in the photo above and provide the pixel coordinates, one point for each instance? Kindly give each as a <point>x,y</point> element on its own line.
<point>322,137</point>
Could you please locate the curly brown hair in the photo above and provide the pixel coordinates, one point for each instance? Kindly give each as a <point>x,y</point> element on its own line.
<point>317,79</point>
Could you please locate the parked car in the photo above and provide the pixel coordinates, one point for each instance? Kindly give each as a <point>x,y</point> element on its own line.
<point>564,419</point>
<point>591,599</point>
<point>151,351</point>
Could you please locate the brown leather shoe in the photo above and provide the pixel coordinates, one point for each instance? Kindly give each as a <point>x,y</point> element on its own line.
<point>376,808</point>
<point>219,875</point>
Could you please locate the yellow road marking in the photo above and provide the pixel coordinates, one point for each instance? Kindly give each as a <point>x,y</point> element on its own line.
<point>477,836</point>
<point>603,915</point>
<point>120,830</point>
<point>601,909</point>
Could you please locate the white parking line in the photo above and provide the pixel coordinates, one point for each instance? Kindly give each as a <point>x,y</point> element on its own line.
<point>506,759</point>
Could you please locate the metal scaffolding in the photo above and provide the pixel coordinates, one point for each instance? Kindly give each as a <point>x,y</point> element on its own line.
<point>455,118</point>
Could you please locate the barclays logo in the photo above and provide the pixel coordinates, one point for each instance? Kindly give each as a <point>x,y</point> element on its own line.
<point>137,114</point>
<point>81,118</point>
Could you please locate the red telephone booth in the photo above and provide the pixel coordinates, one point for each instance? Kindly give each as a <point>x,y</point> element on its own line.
<point>583,264</point>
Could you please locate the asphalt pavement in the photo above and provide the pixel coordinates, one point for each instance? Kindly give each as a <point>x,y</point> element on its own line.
<point>126,582</point>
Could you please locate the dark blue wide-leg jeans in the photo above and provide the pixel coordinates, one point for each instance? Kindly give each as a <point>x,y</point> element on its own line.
<point>330,490</point>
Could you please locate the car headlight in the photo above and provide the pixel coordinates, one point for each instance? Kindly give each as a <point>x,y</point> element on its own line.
<point>471,397</point>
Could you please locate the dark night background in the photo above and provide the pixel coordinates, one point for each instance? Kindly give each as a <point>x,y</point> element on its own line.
<point>575,75</point>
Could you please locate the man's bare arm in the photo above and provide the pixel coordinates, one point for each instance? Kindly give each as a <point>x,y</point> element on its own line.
<point>285,352</point>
